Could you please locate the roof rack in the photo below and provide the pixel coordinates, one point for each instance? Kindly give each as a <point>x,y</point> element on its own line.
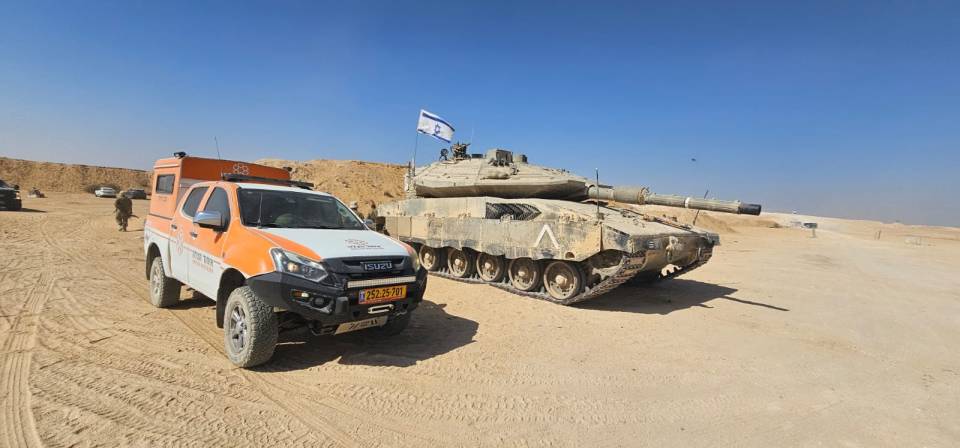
<point>229,177</point>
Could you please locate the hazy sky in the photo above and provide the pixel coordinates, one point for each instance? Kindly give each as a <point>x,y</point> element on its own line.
<point>834,108</point>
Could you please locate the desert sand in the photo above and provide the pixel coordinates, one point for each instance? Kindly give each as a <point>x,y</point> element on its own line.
<point>781,340</point>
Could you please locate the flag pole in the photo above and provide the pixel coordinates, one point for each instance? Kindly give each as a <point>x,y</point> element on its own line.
<point>416,142</point>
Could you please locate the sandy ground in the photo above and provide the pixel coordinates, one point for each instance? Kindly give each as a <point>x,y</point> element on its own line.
<point>783,339</point>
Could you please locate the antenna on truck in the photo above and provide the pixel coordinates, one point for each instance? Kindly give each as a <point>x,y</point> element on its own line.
<point>218,147</point>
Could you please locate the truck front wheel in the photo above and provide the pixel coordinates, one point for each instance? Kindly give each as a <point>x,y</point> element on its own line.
<point>250,328</point>
<point>164,291</point>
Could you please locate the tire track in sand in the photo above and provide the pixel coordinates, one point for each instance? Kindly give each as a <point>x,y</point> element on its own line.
<point>328,429</point>
<point>17,425</point>
<point>317,413</point>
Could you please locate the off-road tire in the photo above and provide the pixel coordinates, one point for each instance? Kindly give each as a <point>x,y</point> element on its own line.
<point>394,326</point>
<point>164,291</point>
<point>261,329</point>
<point>16,206</point>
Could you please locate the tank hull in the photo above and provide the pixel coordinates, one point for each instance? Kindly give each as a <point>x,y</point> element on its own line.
<point>608,249</point>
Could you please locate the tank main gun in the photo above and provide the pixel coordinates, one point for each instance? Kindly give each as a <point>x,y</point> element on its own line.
<point>643,196</point>
<point>504,174</point>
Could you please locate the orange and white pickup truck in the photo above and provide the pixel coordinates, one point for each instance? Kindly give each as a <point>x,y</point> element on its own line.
<point>273,254</point>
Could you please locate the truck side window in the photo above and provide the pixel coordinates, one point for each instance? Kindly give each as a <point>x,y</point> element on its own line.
<point>218,202</point>
<point>164,184</point>
<point>193,201</point>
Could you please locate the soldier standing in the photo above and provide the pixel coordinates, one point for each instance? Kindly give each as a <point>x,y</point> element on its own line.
<point>356,209</point>
<point>123,209</point>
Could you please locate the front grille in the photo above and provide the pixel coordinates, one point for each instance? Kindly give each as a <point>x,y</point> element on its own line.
<point>353,269</point>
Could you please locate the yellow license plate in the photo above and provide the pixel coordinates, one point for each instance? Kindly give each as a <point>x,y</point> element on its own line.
<point>385,294</point>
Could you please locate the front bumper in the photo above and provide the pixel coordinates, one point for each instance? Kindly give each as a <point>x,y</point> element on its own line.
<point>331,305</point>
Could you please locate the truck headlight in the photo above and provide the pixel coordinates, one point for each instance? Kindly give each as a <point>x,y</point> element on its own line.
<point>293,264</point>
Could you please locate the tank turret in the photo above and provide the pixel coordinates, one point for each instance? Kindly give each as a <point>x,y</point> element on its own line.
<point>496,219</point>
<point>504,174</point>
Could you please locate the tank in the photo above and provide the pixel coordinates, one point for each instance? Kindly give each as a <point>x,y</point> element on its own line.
<point>543,232</point>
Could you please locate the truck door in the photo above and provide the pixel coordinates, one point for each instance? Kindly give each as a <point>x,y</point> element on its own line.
<point>205,274</point>
<point>183,233</point>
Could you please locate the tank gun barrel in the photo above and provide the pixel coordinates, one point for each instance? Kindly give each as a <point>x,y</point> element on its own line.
<point>641,196</point>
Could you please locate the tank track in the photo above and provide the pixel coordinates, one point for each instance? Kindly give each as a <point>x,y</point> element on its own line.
<point>625,274</point>
<point>628,267</point>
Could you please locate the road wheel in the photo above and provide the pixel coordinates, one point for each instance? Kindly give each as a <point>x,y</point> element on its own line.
<point>563,280</point>
<point>394,326</point>
<point>524,274</point>
<point>249,328</point>
<point>491,268</point>
<point>164,291</point>
<point>460,263</point>
<point>16,207</point>
<point>431,258</point>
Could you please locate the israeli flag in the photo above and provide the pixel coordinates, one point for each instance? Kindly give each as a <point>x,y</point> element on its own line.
<point>432,124</point>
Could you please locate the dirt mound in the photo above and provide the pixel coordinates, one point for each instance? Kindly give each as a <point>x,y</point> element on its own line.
<point>49,176</point>
<point>350,180</point>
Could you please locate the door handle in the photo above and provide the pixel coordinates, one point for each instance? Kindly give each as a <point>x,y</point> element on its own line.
<point>173,226</point>
<point>193,234</point>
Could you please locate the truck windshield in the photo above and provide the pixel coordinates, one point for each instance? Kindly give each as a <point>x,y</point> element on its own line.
<point>286,209</point>
<point>3,184</point>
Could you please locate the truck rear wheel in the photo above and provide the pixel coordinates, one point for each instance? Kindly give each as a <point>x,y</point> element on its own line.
<point>250,328</point>
<point>164,291</point>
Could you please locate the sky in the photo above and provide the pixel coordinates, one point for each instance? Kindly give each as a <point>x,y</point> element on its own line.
<point>848,109</point>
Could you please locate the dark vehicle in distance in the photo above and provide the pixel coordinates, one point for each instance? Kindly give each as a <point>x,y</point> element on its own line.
<point>10,196</point>
<point>135,193</point>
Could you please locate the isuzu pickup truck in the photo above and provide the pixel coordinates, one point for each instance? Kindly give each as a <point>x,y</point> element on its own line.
<point>273,255</point>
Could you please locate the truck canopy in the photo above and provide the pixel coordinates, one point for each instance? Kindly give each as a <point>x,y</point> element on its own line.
<point>172,178</point>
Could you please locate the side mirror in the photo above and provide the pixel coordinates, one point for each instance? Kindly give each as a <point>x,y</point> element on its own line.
<point>209,220</point>
<point>370,223</point>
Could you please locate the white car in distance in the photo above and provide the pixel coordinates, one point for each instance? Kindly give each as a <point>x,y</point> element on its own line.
<point>105,192</point>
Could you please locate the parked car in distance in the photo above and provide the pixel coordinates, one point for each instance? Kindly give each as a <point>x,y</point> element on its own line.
<point>135,193</point>
<point>105,192</point>
<point>10,196</point>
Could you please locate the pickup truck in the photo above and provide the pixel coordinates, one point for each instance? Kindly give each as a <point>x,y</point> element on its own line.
<point>272,254</point>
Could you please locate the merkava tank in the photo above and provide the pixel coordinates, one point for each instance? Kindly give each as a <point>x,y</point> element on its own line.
<point>543,232</point>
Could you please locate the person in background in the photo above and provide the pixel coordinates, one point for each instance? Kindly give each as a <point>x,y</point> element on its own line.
<point>355,208</point>
<point>123,210</point>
